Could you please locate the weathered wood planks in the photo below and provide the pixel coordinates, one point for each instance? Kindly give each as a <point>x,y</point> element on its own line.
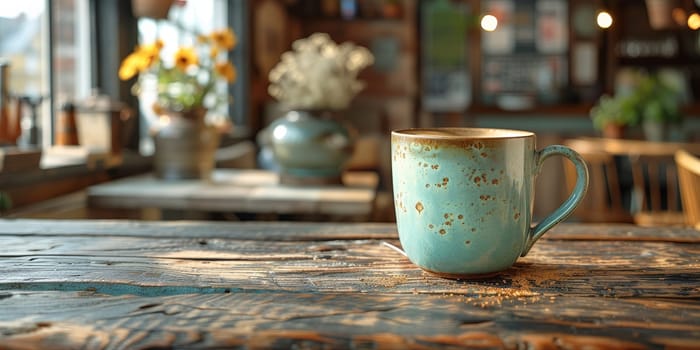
<point>341,320</point>
<point>121,284</point>
<point>578,267</point>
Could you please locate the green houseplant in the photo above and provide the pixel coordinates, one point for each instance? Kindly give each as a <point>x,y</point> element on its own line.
<point>612,114</point>
<point>659,98</point>
<point>652,100</point>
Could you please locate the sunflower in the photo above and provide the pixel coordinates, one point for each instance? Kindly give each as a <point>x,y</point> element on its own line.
<point>185,57</point>
<point>213,52</point>
<point>149,54</point>
<point>186,82</point>
<point>225,38</point>
<point>130,66</point>
<point>226,70</point>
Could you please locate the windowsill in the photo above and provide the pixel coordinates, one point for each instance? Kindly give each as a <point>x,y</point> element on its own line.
<point>66,156</point>
<point>65,169</point>
<point>59,158</point>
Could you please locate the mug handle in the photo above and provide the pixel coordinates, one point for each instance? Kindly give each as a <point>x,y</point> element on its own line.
<point>561,213</point>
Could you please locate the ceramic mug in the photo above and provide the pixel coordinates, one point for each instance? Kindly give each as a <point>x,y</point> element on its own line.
<point>463,197</point>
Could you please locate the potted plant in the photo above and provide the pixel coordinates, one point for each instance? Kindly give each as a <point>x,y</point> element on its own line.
<point>314,82</point>
<point>184,80</point>
<point>652,100</point>
<point>613,114</point>
<point>658,98</point>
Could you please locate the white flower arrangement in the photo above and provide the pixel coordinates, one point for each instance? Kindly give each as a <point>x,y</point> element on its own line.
<point>319,74</point>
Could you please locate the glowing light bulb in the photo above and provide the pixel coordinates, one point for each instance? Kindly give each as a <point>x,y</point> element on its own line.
<point>604,20</point>
<point>489,23</point>
<point>694,21</point>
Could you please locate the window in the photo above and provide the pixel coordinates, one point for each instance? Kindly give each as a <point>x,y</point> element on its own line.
<point>201,16</point>
<point>46,68</point>
<point>185,19</point>
<point>50,45</point>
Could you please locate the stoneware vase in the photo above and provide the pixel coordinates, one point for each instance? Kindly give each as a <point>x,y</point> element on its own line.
<point>185,147</point>
<point>156,9</point>
<point>310,147</point>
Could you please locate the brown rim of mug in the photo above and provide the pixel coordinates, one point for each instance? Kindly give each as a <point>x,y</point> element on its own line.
<point>451,133</point>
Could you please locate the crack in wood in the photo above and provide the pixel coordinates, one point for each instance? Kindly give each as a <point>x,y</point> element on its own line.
<point>23,328</point>
<point>113,289</point>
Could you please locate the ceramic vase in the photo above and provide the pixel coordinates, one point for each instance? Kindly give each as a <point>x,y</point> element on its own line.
<point>156,9</point>
<point>185,147</point>
<point>310,147</point>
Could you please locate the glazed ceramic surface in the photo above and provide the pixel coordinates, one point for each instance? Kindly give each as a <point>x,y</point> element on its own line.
<point>463,197</point>
<point>307,145</point>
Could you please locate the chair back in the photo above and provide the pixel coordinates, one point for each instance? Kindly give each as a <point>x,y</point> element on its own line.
<point>689,180</point>
<point>603,201</point>
<point>655,198</point>
<point>631,181</point>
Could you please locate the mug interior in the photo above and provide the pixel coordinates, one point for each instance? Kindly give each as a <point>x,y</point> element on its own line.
<point>463,133</point>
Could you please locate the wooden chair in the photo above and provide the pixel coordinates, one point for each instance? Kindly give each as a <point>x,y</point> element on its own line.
<point>655,194</point>
<point>688,167</point>
<point>603,201</point>
<point>631,179</point>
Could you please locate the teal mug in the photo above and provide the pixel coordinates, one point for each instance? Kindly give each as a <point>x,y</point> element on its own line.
<point>463,197</point>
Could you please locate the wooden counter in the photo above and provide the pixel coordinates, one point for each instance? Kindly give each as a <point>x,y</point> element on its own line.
<point>136,285</point>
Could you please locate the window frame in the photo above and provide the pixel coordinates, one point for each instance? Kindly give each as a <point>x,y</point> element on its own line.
<point>110,33</point>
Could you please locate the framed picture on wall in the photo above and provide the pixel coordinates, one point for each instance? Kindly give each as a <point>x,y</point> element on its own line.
<point>447,83</point>
<point>584,63</point>
<point>552,26</point>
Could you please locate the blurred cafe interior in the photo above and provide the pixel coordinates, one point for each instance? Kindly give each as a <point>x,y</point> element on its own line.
<point>223,109</point>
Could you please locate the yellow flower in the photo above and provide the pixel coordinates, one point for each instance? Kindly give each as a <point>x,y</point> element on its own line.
<point>184,88</point>
<point>185,57</point>
<point>149,55</point>
<point>225,38</point>
<point>226,70</point>
<point>141,59</point>
<point>130,66</point>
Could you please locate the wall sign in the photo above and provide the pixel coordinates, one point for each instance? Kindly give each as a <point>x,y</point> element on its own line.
<point>446,80</point>
<point>528,53</point>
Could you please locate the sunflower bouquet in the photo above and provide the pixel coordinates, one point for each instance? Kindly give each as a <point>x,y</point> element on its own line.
<point>186,80</point>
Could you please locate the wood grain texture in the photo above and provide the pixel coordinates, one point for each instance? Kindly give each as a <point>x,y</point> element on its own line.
<point>127,284</point>
<point>340,320</point>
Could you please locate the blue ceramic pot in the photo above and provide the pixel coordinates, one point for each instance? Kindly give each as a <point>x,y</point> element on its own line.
<point>310,146</point>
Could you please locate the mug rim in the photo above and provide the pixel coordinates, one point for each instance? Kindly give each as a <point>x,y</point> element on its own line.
<point>463,133</point>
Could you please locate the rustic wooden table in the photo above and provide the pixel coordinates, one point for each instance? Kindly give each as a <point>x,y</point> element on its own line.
<point>127,284</point>
<point>241,191</point>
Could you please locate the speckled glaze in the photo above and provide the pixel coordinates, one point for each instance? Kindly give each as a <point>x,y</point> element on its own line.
<point>463,197</point>
<point>308,144</point>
